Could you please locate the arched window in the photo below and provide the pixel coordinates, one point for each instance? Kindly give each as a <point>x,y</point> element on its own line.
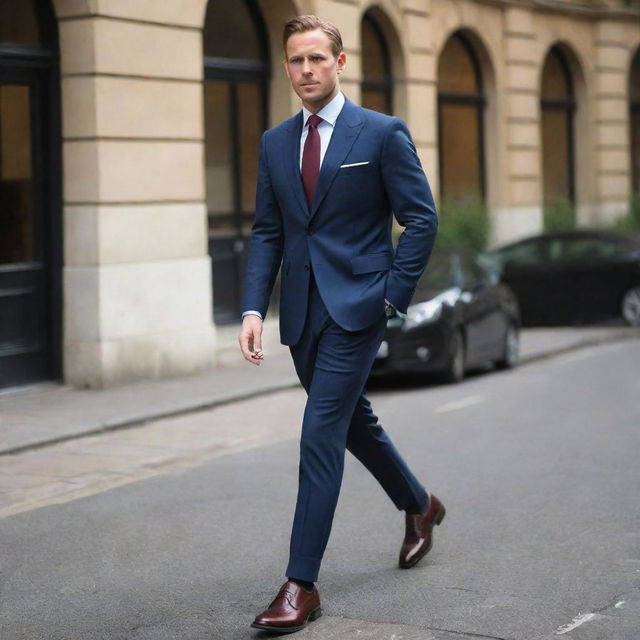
<point>236,74</point>
<point>377,83</point>
<point>461,104</point>
<point>557,106</point>
<point>30,209</point>
<point>634,118</point>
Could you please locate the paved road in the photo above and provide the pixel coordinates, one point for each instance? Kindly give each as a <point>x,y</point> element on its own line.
<point>538,469</point>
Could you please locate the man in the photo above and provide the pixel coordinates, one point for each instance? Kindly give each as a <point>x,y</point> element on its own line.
<point>329,180</point>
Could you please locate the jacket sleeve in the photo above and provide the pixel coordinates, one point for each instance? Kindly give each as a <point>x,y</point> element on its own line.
<point>412,203</point>
<point>265,248</point>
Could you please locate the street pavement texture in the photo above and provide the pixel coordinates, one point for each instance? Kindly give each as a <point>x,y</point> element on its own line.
<point>47,413</point>
<point>538,468</point>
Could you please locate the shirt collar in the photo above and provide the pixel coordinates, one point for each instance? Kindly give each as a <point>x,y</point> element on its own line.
<point>330,112</point>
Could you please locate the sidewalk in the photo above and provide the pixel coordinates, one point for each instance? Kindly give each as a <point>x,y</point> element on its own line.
<point>49,413</point>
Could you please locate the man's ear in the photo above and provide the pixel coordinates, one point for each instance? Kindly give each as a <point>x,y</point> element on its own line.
<point>342,61</point>
<point>286,68</point>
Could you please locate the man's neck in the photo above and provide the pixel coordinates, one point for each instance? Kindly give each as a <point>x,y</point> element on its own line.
<point>315,108</point>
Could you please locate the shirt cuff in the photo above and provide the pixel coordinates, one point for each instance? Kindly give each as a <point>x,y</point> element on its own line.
<point>252,312</point>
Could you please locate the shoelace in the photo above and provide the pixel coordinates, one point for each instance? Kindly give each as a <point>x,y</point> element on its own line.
<point>287,595</point>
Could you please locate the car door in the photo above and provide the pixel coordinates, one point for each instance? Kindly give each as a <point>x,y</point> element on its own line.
<point>485,323</point>
<point>591,269</point>
<point>534,273</point>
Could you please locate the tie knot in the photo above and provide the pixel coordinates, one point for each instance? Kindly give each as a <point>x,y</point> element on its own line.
<point>314,120</point>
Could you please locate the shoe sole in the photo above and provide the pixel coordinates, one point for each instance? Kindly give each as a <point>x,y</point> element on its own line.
<point>436,521</point>
<point>314,615</point>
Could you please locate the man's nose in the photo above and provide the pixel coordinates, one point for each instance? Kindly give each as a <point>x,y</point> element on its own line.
<point>306,67</point>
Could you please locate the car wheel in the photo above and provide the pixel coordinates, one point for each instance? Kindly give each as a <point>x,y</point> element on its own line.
<point>511,351</point>
<point>631,307</point>
<point>455,368</point>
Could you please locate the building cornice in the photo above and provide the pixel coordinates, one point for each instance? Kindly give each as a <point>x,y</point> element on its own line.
<point>586,9</point>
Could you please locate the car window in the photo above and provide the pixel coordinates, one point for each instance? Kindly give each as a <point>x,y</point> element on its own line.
<point>474,272</point>
<point>483,273</point>
<point>439,273</point>
<point>528,252</point>
<point>589,248</point>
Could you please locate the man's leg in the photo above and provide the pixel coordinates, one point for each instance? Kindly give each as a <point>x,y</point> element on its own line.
<point>370,443</point>
<point>333,365</point>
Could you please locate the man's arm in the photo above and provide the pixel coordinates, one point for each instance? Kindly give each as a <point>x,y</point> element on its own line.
<point>265,256</point>
<point>412,204</point>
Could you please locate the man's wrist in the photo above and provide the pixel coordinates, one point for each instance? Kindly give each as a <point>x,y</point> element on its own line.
<point>251,312</point>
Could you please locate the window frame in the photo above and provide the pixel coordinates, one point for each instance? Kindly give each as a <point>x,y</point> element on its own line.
<point>477,100</point>
<point>569,107</point>
<point>384,87</point>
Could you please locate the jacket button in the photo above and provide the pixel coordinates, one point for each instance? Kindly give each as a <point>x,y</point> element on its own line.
<point>306,267</point>
<point>312,231</point>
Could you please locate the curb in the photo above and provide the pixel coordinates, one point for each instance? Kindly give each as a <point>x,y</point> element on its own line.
<point>137,421</point>
<point>589,342</point>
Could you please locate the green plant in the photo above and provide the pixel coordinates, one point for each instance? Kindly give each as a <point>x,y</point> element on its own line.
<point>464,224</point>
<point>631,221</point>
<point>559,216</point>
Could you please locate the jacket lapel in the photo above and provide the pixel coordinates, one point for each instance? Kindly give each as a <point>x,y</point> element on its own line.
<point>291,160</point>
<point>345,132</point>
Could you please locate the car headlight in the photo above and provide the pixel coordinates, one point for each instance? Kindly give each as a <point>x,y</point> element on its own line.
<point>423,313</point>
<point>430,310</point>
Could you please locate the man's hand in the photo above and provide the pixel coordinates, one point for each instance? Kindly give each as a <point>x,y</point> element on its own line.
<point>250,339</point>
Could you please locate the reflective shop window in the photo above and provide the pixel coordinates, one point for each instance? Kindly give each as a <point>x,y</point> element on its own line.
<point>18,23</point>
<point>460,122</point>
<point>236,76</point>
<point>377,81</point>
<point>557,107</point>
<point>16,206</point>
<point>634,120</point>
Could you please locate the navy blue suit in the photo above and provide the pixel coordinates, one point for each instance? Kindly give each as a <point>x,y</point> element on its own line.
<point>338,266</point>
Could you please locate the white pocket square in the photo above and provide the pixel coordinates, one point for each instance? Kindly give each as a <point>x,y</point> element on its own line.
<point>354,164</point>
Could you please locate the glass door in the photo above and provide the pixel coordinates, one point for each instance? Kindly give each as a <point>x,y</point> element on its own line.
<point>24,310</point>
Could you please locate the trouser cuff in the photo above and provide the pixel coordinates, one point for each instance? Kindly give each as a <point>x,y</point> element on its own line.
<point>303,568</point>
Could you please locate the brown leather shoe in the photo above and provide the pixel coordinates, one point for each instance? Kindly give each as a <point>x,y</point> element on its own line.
<point>291,610</point>
<point>418,537</point>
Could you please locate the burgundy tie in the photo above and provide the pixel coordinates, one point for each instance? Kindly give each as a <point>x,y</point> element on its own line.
<point>311,158</point>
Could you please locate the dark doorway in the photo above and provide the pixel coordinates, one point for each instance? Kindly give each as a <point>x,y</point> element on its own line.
<point>236,75</point>
<point>30,202</point>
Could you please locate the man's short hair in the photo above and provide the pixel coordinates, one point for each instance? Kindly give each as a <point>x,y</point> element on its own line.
<point>301,24</point>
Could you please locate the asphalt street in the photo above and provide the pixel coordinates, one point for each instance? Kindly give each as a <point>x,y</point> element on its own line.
<point>538,469</point>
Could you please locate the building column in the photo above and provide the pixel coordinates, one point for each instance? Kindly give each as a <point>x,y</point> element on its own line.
<point>522,213</point>
<point>612,158</point>
<point>346,16</point>
<point>421,87</point>
<point>137,274</point>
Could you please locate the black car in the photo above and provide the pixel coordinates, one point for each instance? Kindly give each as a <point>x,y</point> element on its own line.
<point>573,277</point>
<point>461,318</point>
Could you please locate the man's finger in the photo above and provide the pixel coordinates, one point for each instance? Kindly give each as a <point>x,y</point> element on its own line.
<point>250,340</point>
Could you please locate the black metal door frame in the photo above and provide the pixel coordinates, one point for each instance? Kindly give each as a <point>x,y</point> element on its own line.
<point>38,68</point>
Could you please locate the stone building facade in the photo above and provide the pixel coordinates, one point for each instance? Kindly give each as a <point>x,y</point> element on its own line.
<point>129,132</point>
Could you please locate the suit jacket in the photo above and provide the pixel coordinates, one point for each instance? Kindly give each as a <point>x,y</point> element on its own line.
<point>345,236</point>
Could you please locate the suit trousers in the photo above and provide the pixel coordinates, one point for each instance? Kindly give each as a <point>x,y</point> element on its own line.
<point>333,365</point>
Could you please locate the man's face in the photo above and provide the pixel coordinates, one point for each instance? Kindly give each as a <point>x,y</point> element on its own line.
<point>313,69</point>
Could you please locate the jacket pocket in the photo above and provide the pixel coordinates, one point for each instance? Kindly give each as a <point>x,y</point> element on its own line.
<point>371,262</point>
